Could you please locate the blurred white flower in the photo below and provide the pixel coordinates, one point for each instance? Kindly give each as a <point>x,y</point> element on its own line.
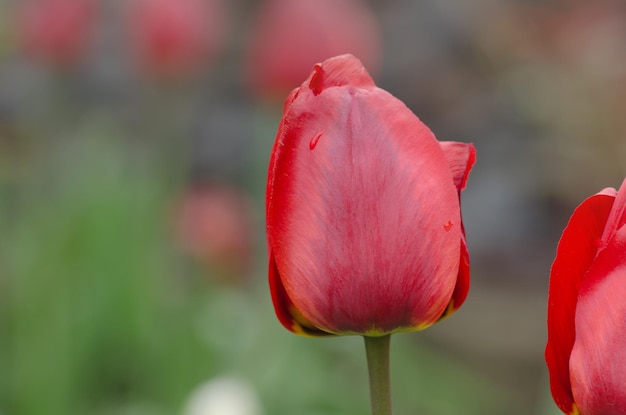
<point>225,395</point>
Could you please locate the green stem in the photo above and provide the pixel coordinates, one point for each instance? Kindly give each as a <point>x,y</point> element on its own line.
<point>377,351</point>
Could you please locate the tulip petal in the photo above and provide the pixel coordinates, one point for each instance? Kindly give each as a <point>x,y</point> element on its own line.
<point>575,253</point>
<point>461,158</point>
<point>287,313</point>
<point>462,282</point>
<point>617,218</point>
<point>598,359</point>
<point>339,71</point>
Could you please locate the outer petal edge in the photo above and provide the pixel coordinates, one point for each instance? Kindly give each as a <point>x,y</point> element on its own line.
<point>461,158</point>
<point>575,252</point>
<point>287,313</point>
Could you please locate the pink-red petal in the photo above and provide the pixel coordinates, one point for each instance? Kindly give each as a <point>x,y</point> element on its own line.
<point>461,158</point>
<point>617,218</point>
<point>462,286</point>
<point>339,71</point>
<point>598,359</point>
<point>286,312</point>
<point>575,253</point>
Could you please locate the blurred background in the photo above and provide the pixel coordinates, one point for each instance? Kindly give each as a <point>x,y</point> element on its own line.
<point>134,141</point>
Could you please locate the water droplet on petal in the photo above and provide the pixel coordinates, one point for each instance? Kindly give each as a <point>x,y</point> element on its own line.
<point>447,226</point>
<point>314,140</point>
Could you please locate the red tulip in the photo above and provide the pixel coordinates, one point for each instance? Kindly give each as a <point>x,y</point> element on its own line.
<point>175,38</point>
<point>586,350</point>
<point>290,36</point>
<point>55,31</point>
<point>363,215</point>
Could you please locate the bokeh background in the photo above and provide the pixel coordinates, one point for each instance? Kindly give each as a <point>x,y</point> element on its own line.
<point>134,140</point>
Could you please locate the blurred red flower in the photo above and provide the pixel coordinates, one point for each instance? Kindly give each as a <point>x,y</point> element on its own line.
<point>215,225</point>
<point>290,36</point>
<point>56,32</point>
<point>585,352</point>
<point>363,215</point>
<point>176,38</point>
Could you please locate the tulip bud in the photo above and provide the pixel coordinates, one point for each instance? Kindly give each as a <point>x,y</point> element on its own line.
<point>585,352</point>
<point>56,32</point>
<point>362,210</point>
<point>290,36</point>
<point>175,38</point>
<point>215,226</point>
